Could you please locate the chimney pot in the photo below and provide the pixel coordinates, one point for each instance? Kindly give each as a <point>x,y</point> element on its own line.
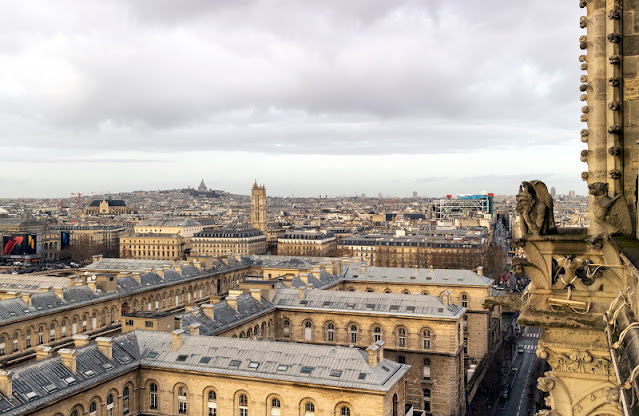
<point>6,382</point>
<point>26,298</point>
<point>208,310</point>
<point>480,271</point>
<point>80,340</point>
<point>68,357</point>
<point>256,294</point>
<point>43,352</point>
<point>194,329</point>
<point>232,302</point>
<point>177,338</point>
<point>105,346</point>
<point>300,292</point>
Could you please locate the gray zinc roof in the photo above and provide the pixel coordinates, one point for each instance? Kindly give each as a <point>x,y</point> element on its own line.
<point>131,265</point>
<point>411,276</point>
<point>369,302</point>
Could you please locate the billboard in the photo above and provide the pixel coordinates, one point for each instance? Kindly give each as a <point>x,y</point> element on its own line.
<point>65,239</point>
<point>19,244</point>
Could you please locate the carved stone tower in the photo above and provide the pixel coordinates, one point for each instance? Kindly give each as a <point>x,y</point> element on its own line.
<point>258,208</point>
<point>584,289</point>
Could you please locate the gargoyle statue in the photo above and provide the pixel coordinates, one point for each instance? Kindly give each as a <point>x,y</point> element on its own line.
<point>535,206</point>
<point>611,214</point>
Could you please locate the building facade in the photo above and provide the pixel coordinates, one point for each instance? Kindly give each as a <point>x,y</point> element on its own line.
<point>307,243</point>
<point>107,207</point>
<point>259,219</point>
<point>228,242</point>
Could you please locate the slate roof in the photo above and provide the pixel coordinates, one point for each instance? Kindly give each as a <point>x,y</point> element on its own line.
<point>448,277</point>
<point>168,222</point>
<point>286,262</point>
<point>227,317</point>
<point>368,302</point>
<point>110,202</point>
<point>230,233</point>
<point>323,280</point>
<point>38,384</point>
<point>30,282</point>
<point>129,265</point>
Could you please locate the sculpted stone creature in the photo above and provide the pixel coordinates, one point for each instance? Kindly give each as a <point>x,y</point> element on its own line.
<point>611,214</point>
<point>535,206</point>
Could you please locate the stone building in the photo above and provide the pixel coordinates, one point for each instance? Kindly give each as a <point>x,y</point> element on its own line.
<point>153,246</point>
<point>307,243</point>
<point>228,242</point>
<point>107,207</point>
<point>259,219</point>
<point>183,227</point>
<point>143,372</point>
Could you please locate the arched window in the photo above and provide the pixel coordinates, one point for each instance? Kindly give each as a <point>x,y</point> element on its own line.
<point>401,337</point>
<point>405,292</point>
<point>212,404</point>
<point>248,333</point>
<point>377,334</point>
<point>276,406</point>
<point>241,335</point>
<point>464,300</point>
<point>345,411</point>
<point>368,289</point>
<point>28,339</point>
<point>287,328</point>
<point>15,342</point>
<point>309,409</point>
<point>153,396</point>
<point>182,400</point>
<point>353,334</point>
<point>425,292</point>
<point>427,400</point>
<point>109,407</point>
<point>84,322</point>
<point>330,333</point>
<point>426,339</point>
<point>308,330</point>
<point>40,335</point>
<point>93,409</point>
<point>125,401</point>
<point>395,404</point>
<point>113,314</point>
<point>242,402</point>
<point>387,291</point>
<point>52,332</point>
<point>75,413</point>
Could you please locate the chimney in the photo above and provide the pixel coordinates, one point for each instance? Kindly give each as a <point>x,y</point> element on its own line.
<point>166,266</point>
<point>446,297</point>
<point>232,302</point>
<point>208,310</point>
<point>256,294</point>
<point>197,264</point>
<point>80,340</point>
<point>431,268</point>
<point>26,298</point>
<point>194,329</point>
<point>224,260</point>
<point>178,269</point>
<point>71,280</point>
<point>43,352</point>
<point>304,278</point>
<point>159,272</point>
<point>363,268</point>
<point>68,358</point>
<point>235,292</point>
<point>373,356</point>
<point>97,258</point>
<point>6,382</point>
<point>105,346</point>
<point>59,292</point>
<point>300,292</point>
<point>380,351</point>
<point>480,271</point>
<point>177,338</point>
<point>356,260</point>
<point>136,277</point>
<point>92,285</point>
<point>148,270</point>
<point>416,270</point>
<point>45,289</point>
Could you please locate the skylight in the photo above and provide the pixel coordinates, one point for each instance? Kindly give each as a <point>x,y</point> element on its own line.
<point>282,367</point>
<point>362,376</point>
<point>70,380</point>
<point>205,360</point>
<point>89,373</point>
<point>152,355</point>
<point>49,388</point>
<point>253,364</point>
<point>306,370</point>
<point>181,358</point>
<point>107,366</point>
<point>31,395</point>
<point>235,363</point>
<point>336,373</point>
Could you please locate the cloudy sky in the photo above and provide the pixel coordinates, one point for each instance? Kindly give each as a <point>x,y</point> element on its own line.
<point>309,97</point>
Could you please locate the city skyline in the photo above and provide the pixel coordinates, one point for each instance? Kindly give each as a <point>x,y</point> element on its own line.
<point>364,97</point>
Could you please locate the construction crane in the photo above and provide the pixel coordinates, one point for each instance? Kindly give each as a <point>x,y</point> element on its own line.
<point>80,197</point>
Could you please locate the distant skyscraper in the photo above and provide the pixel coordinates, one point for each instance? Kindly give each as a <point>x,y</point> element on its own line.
<point>571,194</point>
<point>258,208</point>
<point>414,194</point>
<point>553,192</point>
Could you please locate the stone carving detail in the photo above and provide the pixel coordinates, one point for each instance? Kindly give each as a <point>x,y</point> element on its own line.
<point>612,214</point>
<point>614,38</point>
<point>582,3</point>
<point>614,150</point>
<point>546,383</point>
<point>614,81</point>
<point>615,173</point>
<point>614,105</point>
<point>583,118</point>
<point>614,15</point>
<point>594,243</point>
<point>614,59</point>
<point>583,21</point>
<point>535,206</point>
<point>584,132</point>
<point>612,395</point>
<point>585,109</point>
<point>583,97</point>
<point>614,129</point>
<point>583,87</point>
<point>584,66</point>
<point>584,176</point>
<point>575,362</point>
<point>546,412</point>
<point>584,155</point>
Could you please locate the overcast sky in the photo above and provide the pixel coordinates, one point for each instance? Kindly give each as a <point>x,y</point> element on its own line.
<point>308,97</point>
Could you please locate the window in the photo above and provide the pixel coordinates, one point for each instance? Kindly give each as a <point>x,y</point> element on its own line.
<point>243,405</point>
<point>74,413</point>
<point>93,409</point>
<point>377,334</point>
<point>395,404</point>
<point>353,334</point>
<point>309,409</point>
<point>153,396</point>
<point>465,323</point>
<point>109,408</point>
<point>401,359</point>
<point>148,324</point>
<point>330,332</point>
<point>40,336</point>
<point>464,300</point>
<point>426,339</point>
<point>182,400</point>
<point>212,404</point>
<point>15,342</point>
<point>345,411</point>
<point>287,328</point>
<point>28,339</point>
<point>426,369</point>
<point>52,333</point>
<point>125,401</point>
<point>275,406</point>
<point>401,337</point>
<point>427,400</point>
<point>308,330</point>
<point>465,345</point>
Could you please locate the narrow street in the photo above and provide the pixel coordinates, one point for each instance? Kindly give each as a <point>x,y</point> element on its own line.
<point>522,379</point>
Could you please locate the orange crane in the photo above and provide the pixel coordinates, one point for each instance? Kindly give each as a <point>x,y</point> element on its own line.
<point>80,197</point>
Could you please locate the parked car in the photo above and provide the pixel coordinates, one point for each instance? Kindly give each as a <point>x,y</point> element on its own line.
<point>505,391</point>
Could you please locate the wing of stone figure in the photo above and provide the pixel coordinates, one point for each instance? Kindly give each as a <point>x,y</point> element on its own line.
<point>619,216</point>
<point>544,196</point>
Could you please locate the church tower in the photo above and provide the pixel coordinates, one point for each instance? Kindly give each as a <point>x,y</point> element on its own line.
<point>258,207</point>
